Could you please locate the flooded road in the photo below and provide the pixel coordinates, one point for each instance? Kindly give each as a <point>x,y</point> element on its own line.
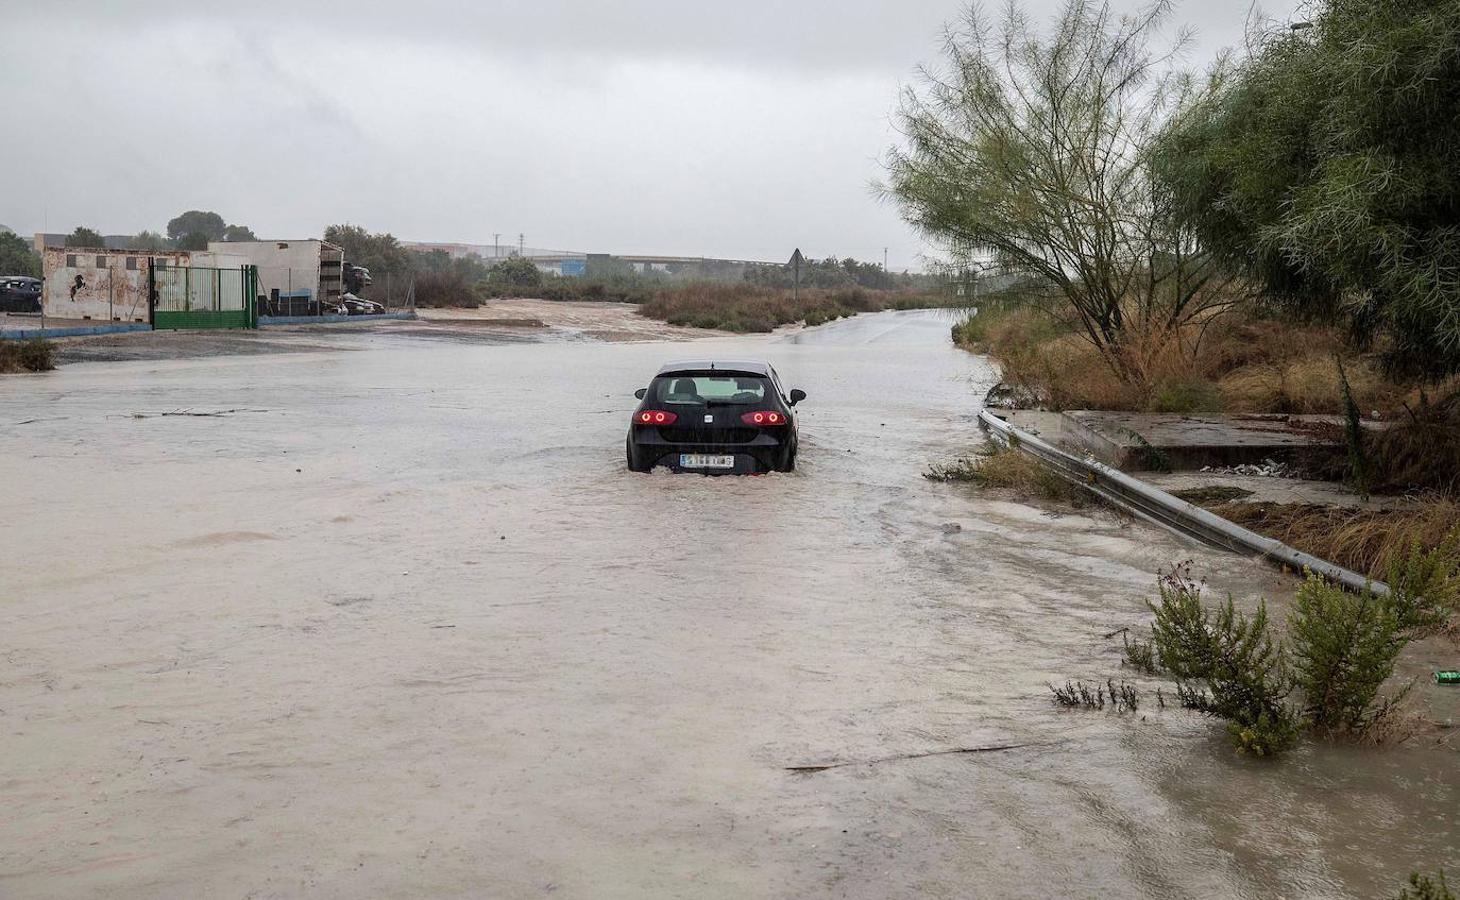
<point>402,625</point>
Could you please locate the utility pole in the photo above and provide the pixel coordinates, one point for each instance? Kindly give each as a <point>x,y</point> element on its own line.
<point>884,259</point>
<point>496,246</point>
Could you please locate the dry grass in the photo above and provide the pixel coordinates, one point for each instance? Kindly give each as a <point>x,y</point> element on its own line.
<point>1368,541</point>
<point>1399,723</point>
<point>1230,364</point>
<point>1308,383</point>
<point>1004,467</point>
<point>1423,449</point>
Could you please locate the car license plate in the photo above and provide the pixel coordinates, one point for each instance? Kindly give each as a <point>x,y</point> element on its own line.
<point>704,461</point>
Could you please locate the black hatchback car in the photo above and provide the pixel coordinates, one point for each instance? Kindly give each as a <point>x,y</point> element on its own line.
<point>714,417</point>
<point>20,293</point>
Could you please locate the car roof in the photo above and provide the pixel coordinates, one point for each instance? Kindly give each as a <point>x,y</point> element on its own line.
<point>19,278</point>
<point>746,366</point>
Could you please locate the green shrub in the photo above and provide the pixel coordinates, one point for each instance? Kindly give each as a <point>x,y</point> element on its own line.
<point>516,271</point>
<point>971,332</point>
<point>1182,633</point>
<point>1425,586</point>
<point>1243,670</point>
<point>1426,888</point>
<point>445,289</point>
<point>1268,735</point>
<point>1140,655</point>
<point>1344,648</point>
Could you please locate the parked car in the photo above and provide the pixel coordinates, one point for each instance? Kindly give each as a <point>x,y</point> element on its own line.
<point>715,417</point>
<point>359,306</point>
<point>20,293</point>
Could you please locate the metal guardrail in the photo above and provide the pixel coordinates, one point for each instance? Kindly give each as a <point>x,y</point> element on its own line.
<point>1162,509</point>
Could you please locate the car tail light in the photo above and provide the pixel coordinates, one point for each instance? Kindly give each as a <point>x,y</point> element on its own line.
<point>764,417</point>
<point>655,417</point>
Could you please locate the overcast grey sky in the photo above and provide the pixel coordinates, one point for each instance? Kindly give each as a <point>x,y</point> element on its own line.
<point>726,129</point>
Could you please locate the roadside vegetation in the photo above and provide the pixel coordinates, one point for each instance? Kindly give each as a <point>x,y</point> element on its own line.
<point>1159,218</point>
<point>1010,469</point>
<point>1369,541</point>
<point>1245,361</point>
<point>748,307</point>
<point>1423,887</point>
<point>1274,236</point>
<point>30,355</point>
<point>709,294</point>
<point>1327,672</point>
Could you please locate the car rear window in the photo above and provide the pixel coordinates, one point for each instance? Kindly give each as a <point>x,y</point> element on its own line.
<point>703,390</point>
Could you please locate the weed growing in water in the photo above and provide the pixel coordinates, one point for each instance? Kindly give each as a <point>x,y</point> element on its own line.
<point>1078,695</point>
<point>1007,467</point>
<point>1240,673</point>
<point>1140,655</point>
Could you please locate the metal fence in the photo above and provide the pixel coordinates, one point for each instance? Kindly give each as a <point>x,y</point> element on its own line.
<point>196,297</point>
<point>298,293</point>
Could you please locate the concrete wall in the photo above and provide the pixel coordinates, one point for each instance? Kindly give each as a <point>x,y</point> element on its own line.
<point>100,285</point>
<point>207,259</point>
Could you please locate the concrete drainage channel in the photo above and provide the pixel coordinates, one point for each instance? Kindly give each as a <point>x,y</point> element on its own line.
<point>1160,508</point>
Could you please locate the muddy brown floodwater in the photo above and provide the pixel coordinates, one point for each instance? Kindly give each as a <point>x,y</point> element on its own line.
<point>402,625</point>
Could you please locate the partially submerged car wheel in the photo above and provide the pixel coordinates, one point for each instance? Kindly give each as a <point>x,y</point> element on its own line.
<point>635,464</point>
<point>788,462</point>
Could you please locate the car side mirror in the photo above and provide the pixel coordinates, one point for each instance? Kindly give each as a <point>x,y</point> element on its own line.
<point>640,393</point>
<point>797,395</point>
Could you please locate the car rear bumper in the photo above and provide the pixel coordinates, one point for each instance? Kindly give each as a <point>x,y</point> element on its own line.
<point>763,454</point>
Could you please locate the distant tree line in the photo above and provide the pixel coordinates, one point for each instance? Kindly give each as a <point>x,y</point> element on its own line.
<point>440,279</point>
<point>830,273</point>
<point>192,230</point>
<point>444,280</point>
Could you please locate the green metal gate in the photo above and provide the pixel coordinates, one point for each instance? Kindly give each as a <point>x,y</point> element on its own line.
<point>195,297</point>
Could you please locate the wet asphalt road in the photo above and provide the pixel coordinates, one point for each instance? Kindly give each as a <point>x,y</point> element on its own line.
<point>401,625</point>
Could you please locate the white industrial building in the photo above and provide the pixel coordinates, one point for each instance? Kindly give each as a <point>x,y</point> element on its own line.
<point>295,277</point>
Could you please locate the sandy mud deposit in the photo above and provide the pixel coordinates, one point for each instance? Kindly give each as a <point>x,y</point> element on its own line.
<point>600,321</point>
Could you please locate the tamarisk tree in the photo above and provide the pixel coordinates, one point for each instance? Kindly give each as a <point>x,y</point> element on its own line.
<point>1032,149</point>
